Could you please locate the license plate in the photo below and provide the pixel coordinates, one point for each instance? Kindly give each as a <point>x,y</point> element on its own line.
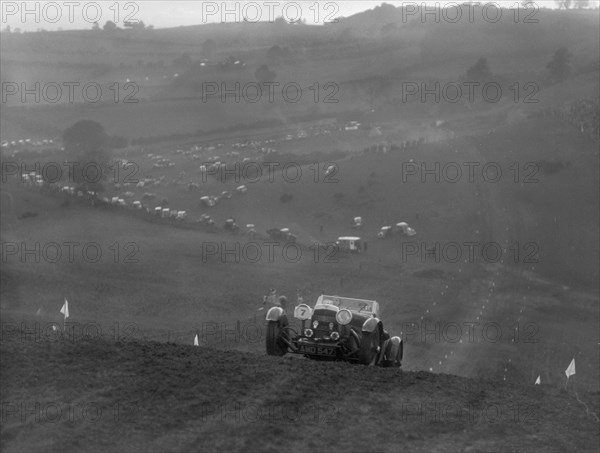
<point>317,350</point>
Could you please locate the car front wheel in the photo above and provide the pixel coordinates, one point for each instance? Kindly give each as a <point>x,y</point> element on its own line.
<point>369,347</point>
<point>274,340</point>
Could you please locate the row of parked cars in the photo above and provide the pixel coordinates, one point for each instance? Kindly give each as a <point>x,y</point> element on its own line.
<point>159,211</point>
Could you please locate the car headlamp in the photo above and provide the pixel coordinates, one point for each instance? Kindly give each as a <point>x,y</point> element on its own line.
<point>335,336</point>
<point>343,317</point>
<point>308,333</point>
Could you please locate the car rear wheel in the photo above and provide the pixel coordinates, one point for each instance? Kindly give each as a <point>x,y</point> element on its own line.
<point>369,347</point>
<point>274,340</point>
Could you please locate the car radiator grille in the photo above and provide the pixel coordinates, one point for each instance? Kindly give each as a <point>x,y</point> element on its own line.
<point>323,327</point>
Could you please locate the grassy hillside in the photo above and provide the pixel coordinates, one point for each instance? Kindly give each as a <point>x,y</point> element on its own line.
<point>498,286</point>
<point>134,396</point>
<point>168,288</point>
<point>544,221</point>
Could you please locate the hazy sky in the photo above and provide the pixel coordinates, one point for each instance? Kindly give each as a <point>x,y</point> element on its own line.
<point>78,14</point>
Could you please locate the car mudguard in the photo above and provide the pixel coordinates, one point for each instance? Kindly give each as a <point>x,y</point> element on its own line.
<point>275,314</point>
<point>370,325</point>
<point>391,353</point>
<point>395,349</point>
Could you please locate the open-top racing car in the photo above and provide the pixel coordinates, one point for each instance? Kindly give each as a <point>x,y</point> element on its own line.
<point>337,328</point>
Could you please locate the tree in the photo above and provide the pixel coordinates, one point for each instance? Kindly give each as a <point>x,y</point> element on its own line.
<point>560,65</point>
<point>86,147</point>
<point>96,26</point>
<point>135,25</point>
<point>480,71</point>
<point>564,3</point>
<point>109,26</point>
<point>264,74</point>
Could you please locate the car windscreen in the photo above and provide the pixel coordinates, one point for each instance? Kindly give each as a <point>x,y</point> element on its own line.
<point>355,305</point>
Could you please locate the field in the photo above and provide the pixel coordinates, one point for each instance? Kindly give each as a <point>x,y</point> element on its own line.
<point>498,287</point>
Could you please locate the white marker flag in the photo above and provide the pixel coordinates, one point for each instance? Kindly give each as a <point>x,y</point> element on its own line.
<point>196,340</point>
<point>65,309</point>
<point>571,370</point>
<point>538,381</point>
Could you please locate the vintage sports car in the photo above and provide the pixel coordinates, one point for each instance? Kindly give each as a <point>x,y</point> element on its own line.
<point>337,328</point>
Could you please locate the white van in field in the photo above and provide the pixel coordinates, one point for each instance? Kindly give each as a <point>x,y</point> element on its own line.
<point>349,244</point>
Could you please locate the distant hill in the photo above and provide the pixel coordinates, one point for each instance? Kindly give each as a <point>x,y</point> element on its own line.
<point>356,54</point>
